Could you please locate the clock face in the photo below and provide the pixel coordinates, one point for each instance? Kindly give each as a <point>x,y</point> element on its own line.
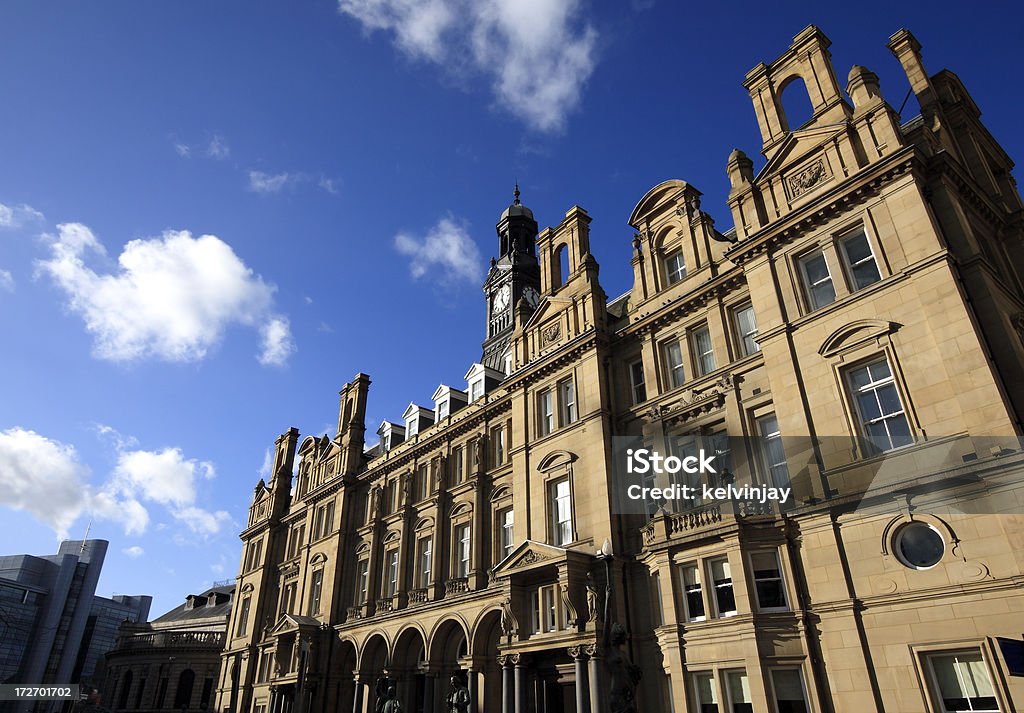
<point>501,298</point>
<point>531,296</point>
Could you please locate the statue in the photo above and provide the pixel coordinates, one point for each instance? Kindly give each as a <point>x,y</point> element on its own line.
<point>458,698</point>
<point>592,600</point>
<point>509,625</point>
<point>391,704</point>
<point>384,686</point>
<point>625,675</point>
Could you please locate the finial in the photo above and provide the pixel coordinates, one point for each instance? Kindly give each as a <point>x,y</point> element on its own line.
<point>516,194</point>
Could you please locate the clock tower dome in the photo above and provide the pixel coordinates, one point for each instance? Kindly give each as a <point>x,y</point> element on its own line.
<point>514,275</point>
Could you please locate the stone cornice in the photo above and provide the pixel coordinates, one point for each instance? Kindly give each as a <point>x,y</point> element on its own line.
<point>670,311</point>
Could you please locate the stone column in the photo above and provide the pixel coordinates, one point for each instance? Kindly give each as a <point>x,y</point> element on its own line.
<point>576,652</point>
<point>520,678</point>
<point>474,690</point>
<point>505,662</point>
<point>357,696</point>
<point>596,694</point>
<point>428,692</point>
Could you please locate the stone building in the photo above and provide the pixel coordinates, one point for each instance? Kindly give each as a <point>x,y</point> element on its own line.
<point>173,662</point>
<point>856,337</point>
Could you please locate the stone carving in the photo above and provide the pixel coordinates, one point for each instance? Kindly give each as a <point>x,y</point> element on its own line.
<point>550,335</point>
<point>531,557</point>
<point>625,675</point>
<point>572,617</point>
<point>509,624</point>
<point>384,685</point>
<point>807,178</point>
<point>593,600</point>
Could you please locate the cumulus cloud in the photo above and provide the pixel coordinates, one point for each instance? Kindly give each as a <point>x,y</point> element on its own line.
<point>447,247</point>
<point>46,478</point>
<point>19,215</point>
<point>172,298</point>
<point>329,185</point>
<point>277,342</point>
<point>183,150</point>
<point>6,281</point>
<point>537,54</point>
<point>260,182</point>
<point>42,477</point>
<point>134,551</point>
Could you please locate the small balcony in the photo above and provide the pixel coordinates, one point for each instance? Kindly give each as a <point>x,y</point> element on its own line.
<point>419,596</point>
<point>700,520</point>
<point>458,585</point>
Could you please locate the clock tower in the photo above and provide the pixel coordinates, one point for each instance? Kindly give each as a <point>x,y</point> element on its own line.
<point>514,275</point>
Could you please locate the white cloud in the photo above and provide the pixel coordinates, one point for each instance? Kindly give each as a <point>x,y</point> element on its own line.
<point>172,298</point>
<point>268,464</point>
<point>183,150</point>
<point>42,477</point>
<point>447,247</point>
<point>19,215</point>
<point>134,551</point>
<point>6,281</point>
<point>329,185</point>
<point>218,148</point>
<point>260,182</point>
<point>537,54</point>
<point>277,343</point>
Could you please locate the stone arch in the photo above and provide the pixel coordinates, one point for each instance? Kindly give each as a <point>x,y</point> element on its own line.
<point>373,654</point>
<point>556,459</point>
<point>854,334</point>
<point>559,265</point>
<point>795,107</point>
<point>448,642</point>
<point>486,636</point>
<point>183,692</point>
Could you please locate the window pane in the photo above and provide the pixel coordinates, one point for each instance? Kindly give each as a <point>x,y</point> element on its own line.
<point>674,364</point>
<point>818,281</point>
<point>789,691</point>
<point>867,402</point>
<point>963,682</point>
<point>705,357</point>
<point>861,262</point>
<point>739,692</point>
<point>707,695</point>
<point>636,375</point>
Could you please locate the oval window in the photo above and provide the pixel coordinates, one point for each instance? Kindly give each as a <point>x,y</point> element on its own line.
<point>919,546</point>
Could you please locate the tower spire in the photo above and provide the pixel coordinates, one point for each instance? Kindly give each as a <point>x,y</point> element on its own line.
<point>515,193</point>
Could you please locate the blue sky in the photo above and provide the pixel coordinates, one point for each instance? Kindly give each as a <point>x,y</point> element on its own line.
<point>348,162</point>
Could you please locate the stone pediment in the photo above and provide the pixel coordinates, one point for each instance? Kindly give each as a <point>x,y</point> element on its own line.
<point>855,334</point>
<point>528,555</point>
<point>661,199</point>
<point>289,623</point>
<point>797,147</point>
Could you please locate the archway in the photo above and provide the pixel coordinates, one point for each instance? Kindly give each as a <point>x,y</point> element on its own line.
<point>408,669</point>
<point>448,648</point>
<point>183,693</point>
<point>484,669</point>
<point>342,677</point>
<point>373,663</point>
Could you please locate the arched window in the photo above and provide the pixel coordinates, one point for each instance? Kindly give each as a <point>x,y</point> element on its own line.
<point>183,694</point>
<point>796,106</point>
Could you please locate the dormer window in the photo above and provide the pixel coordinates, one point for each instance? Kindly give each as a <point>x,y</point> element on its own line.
<point>442,409</point>
<point>476,389</point>
<point>675,267</point>
<point>411,427</point>
<point>447,401</point>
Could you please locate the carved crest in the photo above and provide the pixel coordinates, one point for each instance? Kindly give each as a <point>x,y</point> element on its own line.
<point>551,334</point>
<point>807,178</point>
<point>531,557</point>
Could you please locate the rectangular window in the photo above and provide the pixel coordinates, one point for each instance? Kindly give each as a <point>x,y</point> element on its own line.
<point>315,590</point>
<point>507,535</point>
<point>637,385</point>
<point>817,280</point>
<point>544,610</point>
<point>859,261</point>
<point>703,354</point>
<point>442,409</point>
<point>674,371</point>
<point>675,267</point>
<point>567,401</point>
<point>328,526</point>
<point>879,408</point>
<point>459,464</point>
<point>363,582</point>
<point>693,595</point>
<point>476,390</point>
<point>772,452</point>
<point>288,598</point>
<point>962,682</point>
<point>498,445</point>
<point>423,557</point>
<point>561,512</point>
<point>546,411</point>
<point>746,330</point>
<point>391,583</point>
<point>771,593</point>
<point>243,617</point>
<point>257,554</point>
<point>705,692</point>
<point>737,685</point>
<point>721,581</point>
<point>462,543</point>
<point>412,427</point>
<point>788,688</point>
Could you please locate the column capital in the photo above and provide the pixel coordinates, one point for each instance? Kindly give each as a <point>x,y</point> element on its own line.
<point>591,650</point>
